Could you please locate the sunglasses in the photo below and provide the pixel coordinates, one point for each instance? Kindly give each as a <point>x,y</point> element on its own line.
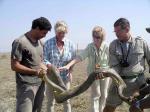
<point>97,37</point>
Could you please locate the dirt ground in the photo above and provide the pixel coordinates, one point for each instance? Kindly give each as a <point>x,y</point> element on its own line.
<point>8,89</point>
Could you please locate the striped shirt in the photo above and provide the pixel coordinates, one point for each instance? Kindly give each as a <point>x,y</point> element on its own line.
<point>53,56</point>
<point>95,57</point>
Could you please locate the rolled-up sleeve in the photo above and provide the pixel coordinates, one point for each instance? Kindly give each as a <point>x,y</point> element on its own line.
<point>16,52</point>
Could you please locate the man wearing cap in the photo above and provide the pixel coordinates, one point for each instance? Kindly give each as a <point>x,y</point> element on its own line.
<point>127,57</point>
<point>59,51</point>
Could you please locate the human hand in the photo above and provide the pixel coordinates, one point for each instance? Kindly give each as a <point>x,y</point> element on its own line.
<point>49,65</point>
<point>133,98</point>
<point>43,66</point>
<point>99,76</point>
<point>41,72</point>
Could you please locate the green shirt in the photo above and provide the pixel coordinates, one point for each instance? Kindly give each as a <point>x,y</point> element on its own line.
<point>95,56</point>
<point>139,52</point>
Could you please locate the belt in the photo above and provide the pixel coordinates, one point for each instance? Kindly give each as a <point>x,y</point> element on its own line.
<point>132,76</point>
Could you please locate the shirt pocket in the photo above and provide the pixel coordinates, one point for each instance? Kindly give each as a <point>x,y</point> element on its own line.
<point>119,54</point>
<point>53,56</point>
<point>137,55</point>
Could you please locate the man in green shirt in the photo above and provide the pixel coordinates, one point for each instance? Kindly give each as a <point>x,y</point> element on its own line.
<point>26,61</point>
<point>142,103</point>
<point>127,56</point>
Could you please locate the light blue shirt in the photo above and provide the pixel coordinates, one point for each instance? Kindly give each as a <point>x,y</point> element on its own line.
<point>53,56</point>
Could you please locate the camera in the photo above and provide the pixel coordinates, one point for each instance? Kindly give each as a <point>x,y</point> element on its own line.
<point>124,63</point>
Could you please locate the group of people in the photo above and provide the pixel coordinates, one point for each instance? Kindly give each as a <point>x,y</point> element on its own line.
<point>126,55</point>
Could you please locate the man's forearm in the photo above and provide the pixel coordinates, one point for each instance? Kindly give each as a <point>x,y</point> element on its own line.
<point>73,62</point>
<point>16,66</point>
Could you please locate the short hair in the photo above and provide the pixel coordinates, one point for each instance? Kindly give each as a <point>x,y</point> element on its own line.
<point>123,22</point>
<point>99,31</point>
<point>61,26</point>
<point>42,23</point>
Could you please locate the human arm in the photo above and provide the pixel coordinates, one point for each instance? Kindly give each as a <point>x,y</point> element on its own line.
<point>81,56</point>
<point>16,66</point>
<point>69,65</point>
<point>17,57</point>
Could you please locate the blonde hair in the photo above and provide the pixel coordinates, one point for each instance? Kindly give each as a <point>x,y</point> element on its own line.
<point>61,26</point>
<point>99,32</point>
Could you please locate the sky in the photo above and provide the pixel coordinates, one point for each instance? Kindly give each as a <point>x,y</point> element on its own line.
<point>80,15</point>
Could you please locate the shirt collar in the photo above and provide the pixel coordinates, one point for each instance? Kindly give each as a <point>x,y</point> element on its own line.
<point>101,46</point>
<point>64,39</point>
<point>129,41</point>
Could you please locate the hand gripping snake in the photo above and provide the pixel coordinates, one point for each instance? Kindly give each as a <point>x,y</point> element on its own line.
<point>54,81</point>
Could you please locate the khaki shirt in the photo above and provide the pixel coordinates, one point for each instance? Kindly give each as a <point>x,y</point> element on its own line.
<point>95,57</point>
<point>139,51</point>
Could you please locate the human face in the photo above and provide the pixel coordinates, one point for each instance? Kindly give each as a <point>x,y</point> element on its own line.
<point>121,33</point>
<point>60,35</point>
<point>97,40</point>
<point>41,34</point>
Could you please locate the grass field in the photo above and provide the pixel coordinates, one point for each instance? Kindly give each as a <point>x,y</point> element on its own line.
<point>8,89</point>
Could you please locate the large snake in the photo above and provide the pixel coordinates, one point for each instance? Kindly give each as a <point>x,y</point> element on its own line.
<point>53,80</point>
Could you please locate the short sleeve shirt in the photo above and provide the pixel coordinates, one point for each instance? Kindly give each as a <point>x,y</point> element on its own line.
<point>28,54</point>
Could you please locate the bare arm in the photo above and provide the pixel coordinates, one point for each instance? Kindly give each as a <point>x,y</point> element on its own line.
<point>16,66</point>
<point>69,65</point>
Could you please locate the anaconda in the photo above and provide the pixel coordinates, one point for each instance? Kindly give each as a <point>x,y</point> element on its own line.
<point>53,79</point>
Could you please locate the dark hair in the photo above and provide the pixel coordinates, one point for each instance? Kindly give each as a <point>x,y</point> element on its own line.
<point>42,23</point>
<point>123,22</point>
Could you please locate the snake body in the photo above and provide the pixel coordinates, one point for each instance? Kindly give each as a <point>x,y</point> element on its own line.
<point>61,94</point>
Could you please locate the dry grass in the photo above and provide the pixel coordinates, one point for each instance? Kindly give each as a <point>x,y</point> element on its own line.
<point>8,90</point>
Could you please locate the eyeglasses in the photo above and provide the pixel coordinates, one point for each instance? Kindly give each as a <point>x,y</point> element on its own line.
<point>118,31</point>
<point>97,37</point>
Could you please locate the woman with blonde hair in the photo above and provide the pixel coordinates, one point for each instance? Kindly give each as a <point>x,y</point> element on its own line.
<point>59,51</point>
<point>97,54</point>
